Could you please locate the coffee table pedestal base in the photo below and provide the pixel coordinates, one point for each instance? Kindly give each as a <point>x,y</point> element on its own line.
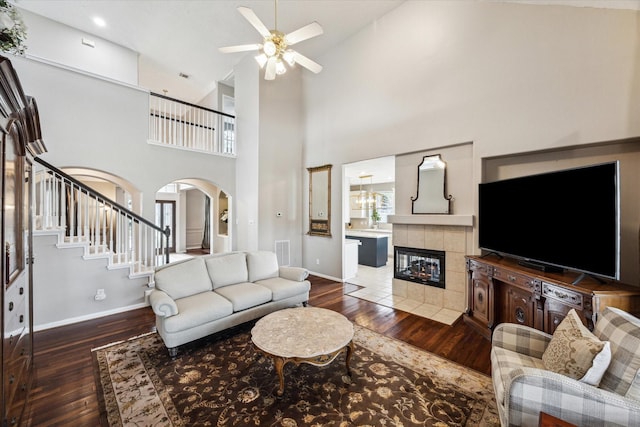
<point>321,360</point>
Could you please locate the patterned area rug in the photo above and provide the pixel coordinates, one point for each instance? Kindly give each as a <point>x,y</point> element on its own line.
<point>224,381</point>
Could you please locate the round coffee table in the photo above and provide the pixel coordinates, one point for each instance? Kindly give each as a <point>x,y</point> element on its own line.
<point>303,335</point>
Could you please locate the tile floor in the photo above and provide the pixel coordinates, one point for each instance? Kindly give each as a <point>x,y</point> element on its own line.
<point>376,286</point>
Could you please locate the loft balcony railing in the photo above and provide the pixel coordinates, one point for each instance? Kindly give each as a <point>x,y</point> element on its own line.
<point>180,124</point>
<point>63,203</point>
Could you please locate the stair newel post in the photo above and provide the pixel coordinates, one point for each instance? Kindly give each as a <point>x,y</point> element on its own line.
<point>167,234</point>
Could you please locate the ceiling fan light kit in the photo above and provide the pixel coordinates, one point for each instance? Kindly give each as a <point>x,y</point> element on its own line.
<point>274,50</point>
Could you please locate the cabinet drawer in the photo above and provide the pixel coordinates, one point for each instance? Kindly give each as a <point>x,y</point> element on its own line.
<point>479,267</point>
<point>513,278</point>
<point>561,294</point>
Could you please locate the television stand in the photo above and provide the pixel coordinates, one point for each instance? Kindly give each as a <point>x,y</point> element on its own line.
<point>540,266</point>
<point>584,276</point>
<point>492,253</point>
<point>502,290</point>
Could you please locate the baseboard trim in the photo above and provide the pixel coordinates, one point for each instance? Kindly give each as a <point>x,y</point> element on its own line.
<point>324,276</point>
<point>84,318</point>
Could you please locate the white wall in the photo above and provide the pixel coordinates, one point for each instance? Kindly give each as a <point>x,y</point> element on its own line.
<point>100,125</point>
<point>65,286</point>
<point>280,167</point>
<point>269,132</point>
<point>247,94</point>
<point>510,78</point>
<point>97,124</point>
<point>61,44</point>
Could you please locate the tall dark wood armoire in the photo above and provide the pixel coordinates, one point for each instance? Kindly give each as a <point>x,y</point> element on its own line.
<point>20,142</point>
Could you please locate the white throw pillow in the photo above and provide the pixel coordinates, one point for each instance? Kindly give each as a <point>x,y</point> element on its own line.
<point>600,364</point>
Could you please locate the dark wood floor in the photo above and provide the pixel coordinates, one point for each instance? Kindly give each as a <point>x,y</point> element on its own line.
<point>64,390</point>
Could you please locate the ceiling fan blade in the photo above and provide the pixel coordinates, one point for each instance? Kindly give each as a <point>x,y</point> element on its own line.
<point>304,33</point>
<point>239,48</point>
<point>254,20</point>
<point>270,72</point>
<point>307,63</point>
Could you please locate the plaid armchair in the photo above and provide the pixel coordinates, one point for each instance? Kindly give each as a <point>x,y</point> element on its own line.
<point>524,388</point>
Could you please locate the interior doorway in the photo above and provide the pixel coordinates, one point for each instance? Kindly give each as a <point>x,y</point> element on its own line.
<point>166,217</point>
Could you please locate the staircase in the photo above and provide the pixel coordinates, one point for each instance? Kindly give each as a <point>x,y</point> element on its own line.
<point>81,217</point>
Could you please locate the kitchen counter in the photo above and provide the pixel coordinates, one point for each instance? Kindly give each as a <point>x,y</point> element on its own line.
<point>373,248</point>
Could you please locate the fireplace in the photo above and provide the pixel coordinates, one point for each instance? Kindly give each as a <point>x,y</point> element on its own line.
<point>424,266</point>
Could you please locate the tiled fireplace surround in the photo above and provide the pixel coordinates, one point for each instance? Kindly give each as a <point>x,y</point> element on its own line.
<point>454,241</point>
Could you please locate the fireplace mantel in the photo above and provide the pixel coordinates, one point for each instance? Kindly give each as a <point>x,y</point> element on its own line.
<point>459,220</point>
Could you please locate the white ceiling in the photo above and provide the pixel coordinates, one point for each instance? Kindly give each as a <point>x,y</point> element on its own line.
<point>183,36</point>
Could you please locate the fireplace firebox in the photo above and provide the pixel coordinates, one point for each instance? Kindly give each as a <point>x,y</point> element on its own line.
<point>424,266</point>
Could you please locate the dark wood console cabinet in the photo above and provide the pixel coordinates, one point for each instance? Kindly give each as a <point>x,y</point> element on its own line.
<point>500,290</point>
<point>20,141</point>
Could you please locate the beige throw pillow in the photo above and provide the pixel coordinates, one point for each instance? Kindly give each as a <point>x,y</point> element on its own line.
<point>572,348</point>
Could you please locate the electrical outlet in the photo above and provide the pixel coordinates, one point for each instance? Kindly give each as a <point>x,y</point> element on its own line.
<point>100,295</point>
<point>317,261</point>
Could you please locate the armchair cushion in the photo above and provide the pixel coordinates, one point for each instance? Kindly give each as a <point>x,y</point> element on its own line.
<point>623,331</point>
<point>572,348</point>
<point>634,390</point>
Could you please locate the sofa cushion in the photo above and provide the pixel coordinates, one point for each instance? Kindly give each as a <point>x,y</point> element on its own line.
<point>284,288</point>
<point>623,331</point>
<point>503,361</point>
<point>196,310</point>
<point>262,265</point>
<point>182,279</point>
<point>245,295</point>
<point>572,348</point>
<point>227,269</point>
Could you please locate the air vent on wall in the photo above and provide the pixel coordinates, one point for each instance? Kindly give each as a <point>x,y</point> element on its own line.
<point>283,252</point>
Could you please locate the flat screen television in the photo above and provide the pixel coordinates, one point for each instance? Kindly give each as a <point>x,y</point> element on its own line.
<point>563,220</point>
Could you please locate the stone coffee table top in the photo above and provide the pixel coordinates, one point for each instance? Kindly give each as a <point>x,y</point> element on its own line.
<point>303,335</point>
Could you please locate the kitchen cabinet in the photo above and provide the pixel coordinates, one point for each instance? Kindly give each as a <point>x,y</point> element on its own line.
<point>373,248</point>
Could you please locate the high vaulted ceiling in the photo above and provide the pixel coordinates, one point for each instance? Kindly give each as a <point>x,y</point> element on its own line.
<point>183,36</point>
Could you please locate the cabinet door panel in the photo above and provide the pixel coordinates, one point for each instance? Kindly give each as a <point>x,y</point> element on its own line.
<point>520,307</point>
<point>480,301</point>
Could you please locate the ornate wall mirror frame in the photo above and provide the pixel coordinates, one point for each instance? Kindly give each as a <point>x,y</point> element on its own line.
<point>431,196</point>
<point>320,201</point>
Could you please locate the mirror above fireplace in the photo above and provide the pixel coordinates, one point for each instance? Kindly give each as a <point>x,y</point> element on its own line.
<point>431,197</point>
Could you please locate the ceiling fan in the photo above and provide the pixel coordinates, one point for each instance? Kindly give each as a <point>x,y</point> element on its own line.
<point>274,49</point>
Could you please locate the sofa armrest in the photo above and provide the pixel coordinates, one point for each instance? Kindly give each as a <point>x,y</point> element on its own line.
<point>162,304</point>
<point>297,274</point>
<point>521,339</point>
<point>529,391</point>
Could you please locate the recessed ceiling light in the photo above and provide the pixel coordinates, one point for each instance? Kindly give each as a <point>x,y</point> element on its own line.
<point>99,21</point>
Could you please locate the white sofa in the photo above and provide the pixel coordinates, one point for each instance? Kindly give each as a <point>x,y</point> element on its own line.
<point>200,296</point>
